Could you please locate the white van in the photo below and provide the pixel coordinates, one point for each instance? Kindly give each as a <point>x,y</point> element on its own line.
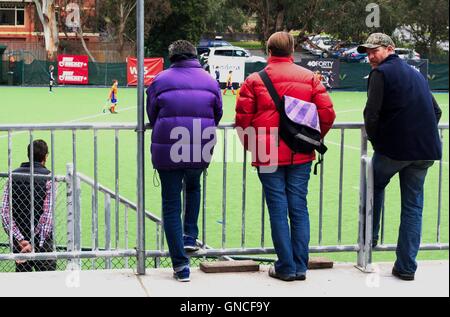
<point>231,51</point>
<point>229,58</point>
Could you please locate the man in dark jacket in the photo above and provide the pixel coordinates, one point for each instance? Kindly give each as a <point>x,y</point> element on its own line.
<point>401,119</point>
<point>184,106</point>
<point>20,199</point>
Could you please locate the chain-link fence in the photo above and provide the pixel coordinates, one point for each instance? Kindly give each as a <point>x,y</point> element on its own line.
<point>35,227</point>
<point>57,239</point>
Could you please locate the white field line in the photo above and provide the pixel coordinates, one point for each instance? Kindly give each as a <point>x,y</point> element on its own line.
<point>98,115</point>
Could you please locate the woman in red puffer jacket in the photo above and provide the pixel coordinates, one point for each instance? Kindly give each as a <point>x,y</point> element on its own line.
<point>285,184</point>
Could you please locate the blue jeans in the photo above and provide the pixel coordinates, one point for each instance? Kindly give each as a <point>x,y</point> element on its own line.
<point>286,191</point>
<point>412,177</point>
<point>171,188</point>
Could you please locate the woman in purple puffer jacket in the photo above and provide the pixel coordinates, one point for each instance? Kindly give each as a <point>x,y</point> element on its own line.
<point>184,106</point>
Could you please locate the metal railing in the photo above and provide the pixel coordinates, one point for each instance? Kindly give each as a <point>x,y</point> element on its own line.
<point>74,249</point>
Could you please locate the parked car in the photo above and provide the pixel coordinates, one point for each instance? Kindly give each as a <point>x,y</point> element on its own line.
<point>326,45</point>
<point>205,44</point>
<point>231,51</point>
<point>407,53</point>
<point>339,48</point>
<point>352,55</point>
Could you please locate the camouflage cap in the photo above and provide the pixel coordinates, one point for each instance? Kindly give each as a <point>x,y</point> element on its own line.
<point>376,40</point>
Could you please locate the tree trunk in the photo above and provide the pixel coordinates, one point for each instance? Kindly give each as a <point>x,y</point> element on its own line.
<point>47,16</point>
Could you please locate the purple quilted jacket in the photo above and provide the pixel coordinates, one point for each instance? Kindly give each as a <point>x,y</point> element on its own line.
<point>184,105</point>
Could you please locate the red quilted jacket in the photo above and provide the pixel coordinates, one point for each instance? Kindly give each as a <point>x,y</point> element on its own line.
<point>255,109</point>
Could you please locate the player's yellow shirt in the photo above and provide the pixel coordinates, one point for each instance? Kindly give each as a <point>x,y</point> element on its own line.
<point>229,79</point>
<point>114,92</point>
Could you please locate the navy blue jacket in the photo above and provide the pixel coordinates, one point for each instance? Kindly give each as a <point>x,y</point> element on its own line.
<point>407,126</point>
<point>21,197</point>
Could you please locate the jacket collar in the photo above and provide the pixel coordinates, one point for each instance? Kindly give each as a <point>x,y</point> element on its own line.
<point>28,165</point>
<point>189,63</point>
<point>277,59</point>
<point>390,57</point>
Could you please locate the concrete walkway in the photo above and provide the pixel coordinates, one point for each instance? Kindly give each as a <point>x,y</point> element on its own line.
<point>432,279</point>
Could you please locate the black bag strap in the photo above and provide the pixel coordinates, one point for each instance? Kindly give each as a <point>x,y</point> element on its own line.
<point>272,91</point>
<point>322,149</point>
<point>319,162</point>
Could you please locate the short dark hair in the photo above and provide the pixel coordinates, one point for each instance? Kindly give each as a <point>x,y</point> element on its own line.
<point>181,50</point>
<point>40,150</point>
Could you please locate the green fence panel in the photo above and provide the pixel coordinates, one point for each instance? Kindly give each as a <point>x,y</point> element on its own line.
<point>3,68</point>
<point>2,64</point>
<point>34,74</point>
<point>354,76</point>
<point>438,76</point>
<point>102,74</point>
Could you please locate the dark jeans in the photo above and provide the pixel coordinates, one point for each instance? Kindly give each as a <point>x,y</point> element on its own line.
<point>171,188</point>
<point>286,191</point>
<point>38,266</point>
<point>412,177</point>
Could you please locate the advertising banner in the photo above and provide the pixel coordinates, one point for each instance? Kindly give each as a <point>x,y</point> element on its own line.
<point>73,69</point>
<point>327,69</point>
<point>223,65</point>
<point>152,67</point>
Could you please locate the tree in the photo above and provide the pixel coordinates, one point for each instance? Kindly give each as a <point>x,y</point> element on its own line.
<point>116,14</point>
<point>284,15</point>
<point>187,21</point>
<point>77,17</point>
<point>426,20</point>
<point>46,13</point>
<point>347,20</point>
<point>270,15</point>
<point>225,16</point>
<point>118,18</point>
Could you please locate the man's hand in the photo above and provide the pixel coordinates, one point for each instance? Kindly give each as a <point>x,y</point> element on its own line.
<point>25,247</point>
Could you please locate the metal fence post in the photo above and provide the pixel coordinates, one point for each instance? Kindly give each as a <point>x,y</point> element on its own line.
<point>362,202</point>
<point>108,229</point>
<point>140,141</point>
<point>369,216</point>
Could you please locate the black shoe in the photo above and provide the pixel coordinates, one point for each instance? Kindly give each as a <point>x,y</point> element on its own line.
<point>286,278</point>
<point>403,276</point>
<point>300,277</point>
